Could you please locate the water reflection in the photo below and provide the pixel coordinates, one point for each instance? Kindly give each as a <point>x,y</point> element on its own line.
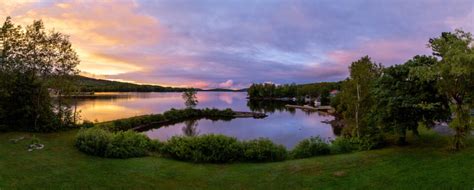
<point>269,106</point>
<point>190,128</point>
<point>283,125</point>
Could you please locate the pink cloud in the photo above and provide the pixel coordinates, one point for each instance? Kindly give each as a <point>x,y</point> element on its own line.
<point>99,31</point>
<point>227,84</point>
<point>385,51</point>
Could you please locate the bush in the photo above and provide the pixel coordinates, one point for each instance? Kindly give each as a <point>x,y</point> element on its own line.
<point>87,124</point>
<point>344,145</point>
<point>103,143</point>
<point>128,144</point>
<point>207,148</point>
<point>93,141</point>
<point>156,146</point>
<point>313,146</point>
<point>261,150</point>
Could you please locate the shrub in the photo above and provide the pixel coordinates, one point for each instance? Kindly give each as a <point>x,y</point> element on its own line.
<point>100,142</point>
<point>156,146</point>
<point>311,147</point>
<point>370,142</point>
<point>93,141</point>
<point>87,124</point>
<point>207,148</point>
<point>262,149</point>
<point>344,145</point>
<point>127,144</point>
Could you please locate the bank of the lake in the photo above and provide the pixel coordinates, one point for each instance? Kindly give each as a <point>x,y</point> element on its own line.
<point>286,126</point>
<point>425,164</point>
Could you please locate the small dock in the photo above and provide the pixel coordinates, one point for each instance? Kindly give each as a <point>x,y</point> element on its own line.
<point>306,107</point>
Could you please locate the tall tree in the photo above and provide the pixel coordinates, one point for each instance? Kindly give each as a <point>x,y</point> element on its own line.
<point>403,100</point>
<point>454,75</point>
<point>356,97</point>
<point>35,62</point>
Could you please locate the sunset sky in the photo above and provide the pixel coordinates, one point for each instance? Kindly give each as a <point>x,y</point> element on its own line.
<point>231,44</point>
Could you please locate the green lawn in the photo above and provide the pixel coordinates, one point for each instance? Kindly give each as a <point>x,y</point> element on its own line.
<point>425,164</point>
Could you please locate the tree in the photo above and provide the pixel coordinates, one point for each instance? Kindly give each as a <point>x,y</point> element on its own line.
<point>454,75</point>
<point>403,100</point>
<point>35,62</point>
<point>356,99</point>
<point>190,99</point>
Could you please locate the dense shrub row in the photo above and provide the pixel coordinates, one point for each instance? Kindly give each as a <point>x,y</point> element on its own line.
<point>219,149</point>
<point>262,150</point>
<point>122,144</point>
<point>205,148</point>
<point>313,146</point>
<point>209,148</point>
<point>168,117</point>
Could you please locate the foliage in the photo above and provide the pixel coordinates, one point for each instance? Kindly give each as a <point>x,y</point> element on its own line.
<point>190,99</point>
<point>403,100</point>
<point>344,145</point>
<point>123,144</point>
<point>169,117</point>
<point>34,63</point>
<point>356,99</point>
<point>272,91</point>
<point>454,76</point>
<point>206,148</point>
<point>263,150</point>
<point>128,144</point>
<point>94,141</point>
<point>310,147</point>
<point>87,124</point>
<point>156,146</point>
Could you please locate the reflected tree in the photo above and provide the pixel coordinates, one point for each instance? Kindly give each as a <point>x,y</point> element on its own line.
<point>190,128</point>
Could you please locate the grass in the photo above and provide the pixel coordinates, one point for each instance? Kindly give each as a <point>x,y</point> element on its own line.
<point>425,164</point>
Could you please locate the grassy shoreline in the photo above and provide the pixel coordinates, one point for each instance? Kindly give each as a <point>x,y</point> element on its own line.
<point>425,164</point>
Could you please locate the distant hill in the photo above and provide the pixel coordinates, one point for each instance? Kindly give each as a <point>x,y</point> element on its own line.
<point>87,84</point>
<point>226,90</point>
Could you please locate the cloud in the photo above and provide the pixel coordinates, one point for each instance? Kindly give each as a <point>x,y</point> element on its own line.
<point>96,29</point>
<point>231,44</point>
<point>227,84</point>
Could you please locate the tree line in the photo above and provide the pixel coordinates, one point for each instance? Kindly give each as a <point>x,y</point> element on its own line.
<point>273,91</point>
<point>424,90</point>
<point>85,84</point>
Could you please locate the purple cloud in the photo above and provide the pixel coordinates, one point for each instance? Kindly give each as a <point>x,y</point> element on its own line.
<point>232,44</point>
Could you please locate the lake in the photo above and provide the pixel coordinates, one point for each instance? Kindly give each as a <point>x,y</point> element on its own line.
<point>283,126</point>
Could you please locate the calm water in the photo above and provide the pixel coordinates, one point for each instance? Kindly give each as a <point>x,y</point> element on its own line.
<point>282,126</point>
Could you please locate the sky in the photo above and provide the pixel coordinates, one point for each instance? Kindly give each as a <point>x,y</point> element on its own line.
<point>234,43</point>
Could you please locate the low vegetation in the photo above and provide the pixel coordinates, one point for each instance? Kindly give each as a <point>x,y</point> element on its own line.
<point>205,148</point>
<point>313,146</point>
<point>263,150</point>
<point>169,117</point>
<point>210,148</point>
<point>122,144</point>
